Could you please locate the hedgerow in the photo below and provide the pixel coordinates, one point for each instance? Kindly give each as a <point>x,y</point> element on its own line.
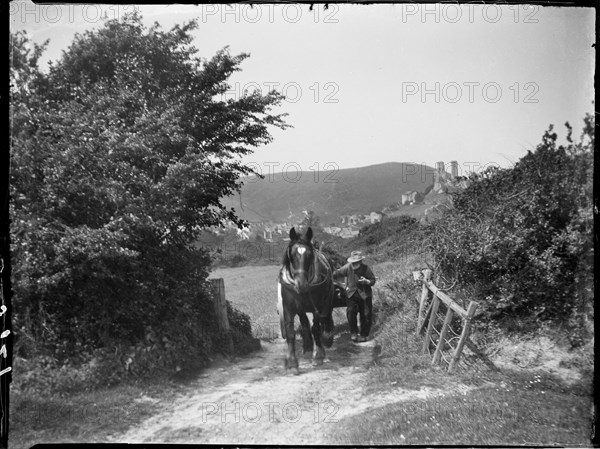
<point>522,236</point>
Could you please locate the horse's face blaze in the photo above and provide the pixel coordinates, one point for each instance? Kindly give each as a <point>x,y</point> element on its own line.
<point>300,263</point>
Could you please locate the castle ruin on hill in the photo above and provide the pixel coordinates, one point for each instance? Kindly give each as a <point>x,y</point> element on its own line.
<point>441,177</point>
<point>443,181</point>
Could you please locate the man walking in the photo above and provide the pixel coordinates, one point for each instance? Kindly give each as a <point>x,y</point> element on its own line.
<point>359,279</point>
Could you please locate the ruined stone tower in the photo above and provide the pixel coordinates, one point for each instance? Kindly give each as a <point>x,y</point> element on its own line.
<point>453,170</point>
<point>442,180</point>
<point>439,168</point>
<point>439,176</point>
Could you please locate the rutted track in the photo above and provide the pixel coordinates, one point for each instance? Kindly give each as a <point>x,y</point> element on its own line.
<point>255,401</point>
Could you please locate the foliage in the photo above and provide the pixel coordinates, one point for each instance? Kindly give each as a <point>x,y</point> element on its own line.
<point>241,331</point>
<point>311,220</point>
<point>120,156</point>
<point>391,237</point>
<point>333,256</point>
<point>523,235</point>
<point>379,231</point>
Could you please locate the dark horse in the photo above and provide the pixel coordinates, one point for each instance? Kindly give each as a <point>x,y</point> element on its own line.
<point>305,285</point>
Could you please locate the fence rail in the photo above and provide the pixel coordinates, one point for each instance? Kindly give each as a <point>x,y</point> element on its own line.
<point>428,323</point>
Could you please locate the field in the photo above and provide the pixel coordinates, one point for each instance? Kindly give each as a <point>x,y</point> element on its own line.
<point>253,290</point>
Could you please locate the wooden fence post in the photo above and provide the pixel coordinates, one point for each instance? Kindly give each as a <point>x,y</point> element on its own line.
<point>463,336</point>
<point>441,342</point>
<point>432,318</point>
<point>424,295</point>
<point>220,304</point>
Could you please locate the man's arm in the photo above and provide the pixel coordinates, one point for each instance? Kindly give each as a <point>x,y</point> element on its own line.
<point>369,276</point>
<point>343,271</point>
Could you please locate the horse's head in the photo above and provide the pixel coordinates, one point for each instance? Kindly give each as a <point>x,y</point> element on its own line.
<point>299,258</point>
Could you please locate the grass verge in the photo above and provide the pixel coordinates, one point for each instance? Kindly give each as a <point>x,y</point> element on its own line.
<point>471,406</point>
<point>83,417</point>
<point>515,408</point>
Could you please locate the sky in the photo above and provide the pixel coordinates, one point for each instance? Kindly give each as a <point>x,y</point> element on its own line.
<point>368,84</point>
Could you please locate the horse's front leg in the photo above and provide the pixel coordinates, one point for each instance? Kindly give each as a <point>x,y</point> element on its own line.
<point>291,362</point>
<point>327,331</point>
<point>307,340</point>
<point>319,351</point>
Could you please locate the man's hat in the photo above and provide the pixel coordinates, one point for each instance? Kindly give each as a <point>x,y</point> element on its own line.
<point>356,256</point>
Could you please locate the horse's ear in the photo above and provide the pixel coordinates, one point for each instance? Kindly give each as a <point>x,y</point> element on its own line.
<point>293,235</point>
<point>309,234</point>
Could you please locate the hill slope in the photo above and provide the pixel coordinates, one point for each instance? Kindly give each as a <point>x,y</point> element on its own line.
<point>329,193</point>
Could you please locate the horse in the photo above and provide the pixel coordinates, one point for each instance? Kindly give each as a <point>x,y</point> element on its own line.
<point>305,285</point>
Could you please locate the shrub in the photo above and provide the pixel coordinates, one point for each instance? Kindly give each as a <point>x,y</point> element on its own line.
<point>333,256</point>
<point>241,331</point>
<point>522,236</point>
<point>391,237</point>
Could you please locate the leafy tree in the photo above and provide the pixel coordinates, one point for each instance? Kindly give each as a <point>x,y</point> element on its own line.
<point>120,156</point>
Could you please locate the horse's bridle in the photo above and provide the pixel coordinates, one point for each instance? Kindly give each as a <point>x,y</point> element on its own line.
<point>287,279</point>
<point>315,269</point>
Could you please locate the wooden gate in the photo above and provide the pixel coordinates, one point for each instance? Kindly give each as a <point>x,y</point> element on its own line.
<point>437,327</point>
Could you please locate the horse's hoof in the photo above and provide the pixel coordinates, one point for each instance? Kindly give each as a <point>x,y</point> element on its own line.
<point>294,371</point>
<point>292,365</point>
<point>317,362</point>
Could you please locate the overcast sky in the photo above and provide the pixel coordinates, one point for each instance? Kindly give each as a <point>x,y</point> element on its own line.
<point>371,84</point>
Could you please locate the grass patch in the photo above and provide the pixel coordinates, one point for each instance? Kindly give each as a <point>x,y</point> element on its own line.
<point>83,417</point>
<point>399,359</point>
<point>518,409</point>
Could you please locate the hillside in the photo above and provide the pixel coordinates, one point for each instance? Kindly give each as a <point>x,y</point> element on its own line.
<point>329,194</point>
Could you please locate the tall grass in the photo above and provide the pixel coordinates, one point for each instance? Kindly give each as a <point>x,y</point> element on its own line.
<point>400,360</point>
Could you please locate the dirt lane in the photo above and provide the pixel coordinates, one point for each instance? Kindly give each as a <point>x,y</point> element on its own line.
<point>254,401</point>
